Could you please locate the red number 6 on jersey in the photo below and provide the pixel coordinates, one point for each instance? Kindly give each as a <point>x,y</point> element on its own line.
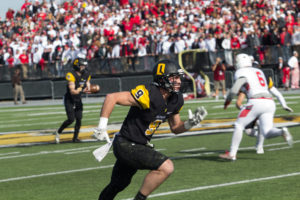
<point>260,79</point>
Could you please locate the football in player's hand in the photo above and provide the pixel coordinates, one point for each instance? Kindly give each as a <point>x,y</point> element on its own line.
<point>94,88</point>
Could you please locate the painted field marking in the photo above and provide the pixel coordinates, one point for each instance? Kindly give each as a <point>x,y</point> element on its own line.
<point>9,153</point>
<point>191,150</point>
<point>54,173</point>
<point>221,185</point>
<point>110,166</point>
<point>48,152</point>
<point>277,149</point>
<point>77,152</point>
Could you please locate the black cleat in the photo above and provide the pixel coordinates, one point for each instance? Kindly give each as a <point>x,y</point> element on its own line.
<point>76,140</point>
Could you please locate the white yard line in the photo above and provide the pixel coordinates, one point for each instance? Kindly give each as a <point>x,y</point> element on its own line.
<point>233,105</point>
<point>49,152</point>
<point>222,185</point>
<point>77,152</point>
<point>191,150</point>
<point>54,173</point>
<point>277,149</point>
<point>9,153</point>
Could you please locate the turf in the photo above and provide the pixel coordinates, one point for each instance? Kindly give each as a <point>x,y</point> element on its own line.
<point>69,171</point>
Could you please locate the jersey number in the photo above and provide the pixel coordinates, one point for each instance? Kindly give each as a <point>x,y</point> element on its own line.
<point>139,93</point>
<point>152,127</point>
<point>260,79</point>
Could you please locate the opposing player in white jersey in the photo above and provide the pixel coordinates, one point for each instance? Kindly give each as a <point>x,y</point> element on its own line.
<point>260,105</point>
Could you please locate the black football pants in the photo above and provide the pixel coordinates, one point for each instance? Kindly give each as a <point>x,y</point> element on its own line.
<point>73,111</point>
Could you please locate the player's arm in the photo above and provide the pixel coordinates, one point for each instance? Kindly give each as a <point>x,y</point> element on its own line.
<point>120,98</point>
<point>234,90</point>
<point>74,91</point>
<point>177,126</point>
<point>87,89</point>
<point>280,98</point>
<point>71,84</point>
<point>274,91</point>
<point>239,100</point>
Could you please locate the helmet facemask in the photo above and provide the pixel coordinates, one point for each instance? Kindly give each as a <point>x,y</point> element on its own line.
<point>169,82</point>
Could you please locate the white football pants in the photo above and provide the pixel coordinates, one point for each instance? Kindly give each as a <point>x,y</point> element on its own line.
<point>261,109</point>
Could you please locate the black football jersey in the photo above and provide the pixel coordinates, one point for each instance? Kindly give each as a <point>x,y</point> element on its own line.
<point>141,123</point>
<point>79,80</point>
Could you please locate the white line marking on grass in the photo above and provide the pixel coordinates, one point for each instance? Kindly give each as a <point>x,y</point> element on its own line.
<point>221,185</point>
<point>56,121</point>
<point>277,149</point>
<point>49,152</point>
<point>54,173</point>
<point>191,150</point>
<point>222,100</point>
<point>5,154</point>
<point>77,152</point>
<point>232,105</point>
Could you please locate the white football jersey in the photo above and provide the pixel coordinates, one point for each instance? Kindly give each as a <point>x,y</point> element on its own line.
<point>257,84</point>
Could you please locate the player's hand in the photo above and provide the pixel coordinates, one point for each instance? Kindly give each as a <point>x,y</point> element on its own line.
<point>101,134</point>
<point>86,90</point>
<point>227,101</point>
<point>226,104</point>
<point>288,109</point>
<point>194,119</point>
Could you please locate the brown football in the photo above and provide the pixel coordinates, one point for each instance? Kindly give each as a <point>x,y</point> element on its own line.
<point>94,88</point>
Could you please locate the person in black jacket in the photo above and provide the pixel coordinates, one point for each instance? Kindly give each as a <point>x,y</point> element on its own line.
<point>56,58</point>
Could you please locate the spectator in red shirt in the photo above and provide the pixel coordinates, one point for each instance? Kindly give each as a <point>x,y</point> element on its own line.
<point>24,61</point>
<point>10,61</point>
<point>219,77</point>
<point>10,14</point>
<point>235,43</point>
<point>25,5</point>
<point>284,73</point>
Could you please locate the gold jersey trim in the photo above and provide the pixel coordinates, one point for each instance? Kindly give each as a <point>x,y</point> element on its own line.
<point>141,95</point>
<point>70,77</point>
<point>270,83</point>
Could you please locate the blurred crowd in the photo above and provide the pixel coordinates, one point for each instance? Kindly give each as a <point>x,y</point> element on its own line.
<point>42,32</point>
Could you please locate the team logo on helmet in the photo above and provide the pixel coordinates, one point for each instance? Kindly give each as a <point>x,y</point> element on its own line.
<point>161,68</point>
<point>79,62</point>
<point>162,71</point>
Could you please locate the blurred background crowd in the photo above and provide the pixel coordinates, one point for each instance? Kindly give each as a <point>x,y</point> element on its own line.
<point>43,37</point>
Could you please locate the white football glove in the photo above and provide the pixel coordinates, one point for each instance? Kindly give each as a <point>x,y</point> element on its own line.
<point>100,133</point>
<point>288,109</point>
<point>196,118</point>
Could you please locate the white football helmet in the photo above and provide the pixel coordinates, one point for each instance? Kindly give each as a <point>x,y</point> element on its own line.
<point>242,60</point>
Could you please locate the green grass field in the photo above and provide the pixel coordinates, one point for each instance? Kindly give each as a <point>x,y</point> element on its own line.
<point>69,171</point>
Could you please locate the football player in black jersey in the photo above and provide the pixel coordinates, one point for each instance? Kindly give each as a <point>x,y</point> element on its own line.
<point>78,82</point>
<point>151,105</point>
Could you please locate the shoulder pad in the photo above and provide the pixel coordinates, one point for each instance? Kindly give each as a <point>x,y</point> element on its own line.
<point>141,95</point>
<point>70,77</point>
